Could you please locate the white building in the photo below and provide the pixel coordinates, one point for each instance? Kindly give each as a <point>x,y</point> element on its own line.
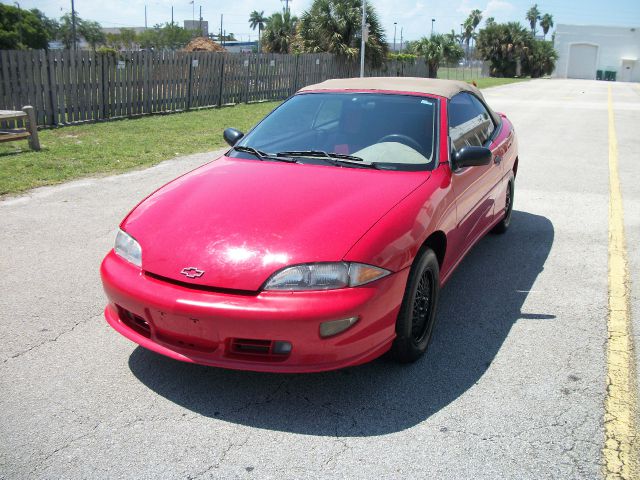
<point>585,49</point>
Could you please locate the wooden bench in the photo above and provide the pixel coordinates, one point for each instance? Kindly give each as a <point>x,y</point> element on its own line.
<point>31,132</point>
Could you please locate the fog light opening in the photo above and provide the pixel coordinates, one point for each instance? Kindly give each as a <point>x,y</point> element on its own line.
<point>282,348</point>
<point>334,327</point>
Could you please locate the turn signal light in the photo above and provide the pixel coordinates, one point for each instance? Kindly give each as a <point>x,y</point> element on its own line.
<point>334,327</point>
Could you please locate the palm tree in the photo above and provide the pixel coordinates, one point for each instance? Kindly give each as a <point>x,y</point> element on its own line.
<point>456,38</point>
<point>279,30</point>
<point>257,20</point>
<point>490,21</point>
<point>546,22</point>
<point>437,49</point>
<point>470,25</point>
<point>533,15</point>
<point>505,45</point>
<point>476,17</point>
<point>334,26</point>
<point>467,34</point>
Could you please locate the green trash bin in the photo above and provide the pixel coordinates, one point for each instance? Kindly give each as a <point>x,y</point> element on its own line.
<point>598,74</point>
<point>610,75</point>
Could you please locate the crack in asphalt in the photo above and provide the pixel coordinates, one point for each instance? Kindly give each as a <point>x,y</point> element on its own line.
<point>216,465</point>
<point>50,340</point>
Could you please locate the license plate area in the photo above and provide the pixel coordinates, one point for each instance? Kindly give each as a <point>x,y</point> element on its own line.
<point>185,332</point>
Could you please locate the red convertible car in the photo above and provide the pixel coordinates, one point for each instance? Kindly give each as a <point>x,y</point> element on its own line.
<point>321,239</point>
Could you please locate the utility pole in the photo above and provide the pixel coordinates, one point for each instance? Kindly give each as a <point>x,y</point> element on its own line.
<point>221,18</point>
<point>394,35</point>
<point>145,17</point>
<point>433,20</point>
<point>200,19</point>
<point>73,25</point>
<point>172,15</point>
<point>20,21</point>
<point>364,35</point>
<point>401,29</point>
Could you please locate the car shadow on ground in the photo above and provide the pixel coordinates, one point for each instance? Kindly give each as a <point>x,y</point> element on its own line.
<point>477,308</point>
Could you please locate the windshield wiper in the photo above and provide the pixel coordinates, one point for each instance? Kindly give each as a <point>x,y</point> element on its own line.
<point>260,155</point>
<point>337,159</point>
<point>320,153</point>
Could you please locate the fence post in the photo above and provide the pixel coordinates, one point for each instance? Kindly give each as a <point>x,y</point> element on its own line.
<point>52,88</point>
<point>34,142</point>
<point>221,79</point>
<point>295,77</point>
<point>246,79</point>
<point>189,82</point>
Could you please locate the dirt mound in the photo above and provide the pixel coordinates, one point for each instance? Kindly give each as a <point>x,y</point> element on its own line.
<point>203,44</point>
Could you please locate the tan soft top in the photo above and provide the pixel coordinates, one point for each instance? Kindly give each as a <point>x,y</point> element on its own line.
<point>433,86</point>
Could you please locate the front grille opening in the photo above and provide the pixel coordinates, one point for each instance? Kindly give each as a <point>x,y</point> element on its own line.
<point>189,343</point>
<point>260,350</point>
<point>134,322</point>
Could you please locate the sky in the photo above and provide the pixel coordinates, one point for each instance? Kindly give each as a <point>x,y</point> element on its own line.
<point>412,17</point>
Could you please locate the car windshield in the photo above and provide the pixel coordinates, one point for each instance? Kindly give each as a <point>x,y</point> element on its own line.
<point>387,131</point>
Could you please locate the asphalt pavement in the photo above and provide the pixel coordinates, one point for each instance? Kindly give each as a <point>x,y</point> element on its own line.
<point>513,385</point>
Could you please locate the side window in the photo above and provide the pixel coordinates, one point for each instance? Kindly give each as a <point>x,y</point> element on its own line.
<point>469,122</point>
<point>487,123</point>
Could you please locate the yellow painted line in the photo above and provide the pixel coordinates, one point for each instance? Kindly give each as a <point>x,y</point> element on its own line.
<point>620,451</point>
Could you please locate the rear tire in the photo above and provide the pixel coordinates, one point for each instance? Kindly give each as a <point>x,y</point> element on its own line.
<point>503,225</point>
<point>417,316</point>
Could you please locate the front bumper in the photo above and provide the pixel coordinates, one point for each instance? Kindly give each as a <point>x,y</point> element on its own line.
<point>202,327</point>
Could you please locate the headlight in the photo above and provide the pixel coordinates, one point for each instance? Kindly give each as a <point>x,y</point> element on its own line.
<point>128,248</point>
<point>324,276</point>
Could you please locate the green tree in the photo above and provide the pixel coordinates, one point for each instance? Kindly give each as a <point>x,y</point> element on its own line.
<point>279,32</point>
<point>128,37</point>
<point>533,15</point>
<point>51,25</point>
<point>335,26</point>
<point>437,49</point>
<point>66,31</point>
<point>546,22</point>
<point>92,33</point>
<point>168,36</point>
<point>540,59</point>
<point>490,21</point>
<point>505,45</point>
<point>21,29</point>
<point>257,20</point>
<point>470,25</point>
<point>113,41</point>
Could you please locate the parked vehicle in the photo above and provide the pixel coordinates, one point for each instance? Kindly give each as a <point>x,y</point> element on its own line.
<point>321,239</point>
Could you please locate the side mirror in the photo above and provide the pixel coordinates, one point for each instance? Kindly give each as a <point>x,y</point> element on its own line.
<point>472,157</point>
<point>232,136</point>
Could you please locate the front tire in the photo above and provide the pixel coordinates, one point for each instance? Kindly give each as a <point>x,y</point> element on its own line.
<point>417,316</point>
<point>503,225</point>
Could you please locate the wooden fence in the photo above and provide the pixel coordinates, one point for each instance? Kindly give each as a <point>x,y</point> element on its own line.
<point>68,87</point>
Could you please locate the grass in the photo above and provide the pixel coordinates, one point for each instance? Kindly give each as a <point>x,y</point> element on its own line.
<point>494,81</point>
<point>117,146</point>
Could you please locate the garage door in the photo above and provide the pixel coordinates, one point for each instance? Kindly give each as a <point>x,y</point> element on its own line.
<point>582,61</point>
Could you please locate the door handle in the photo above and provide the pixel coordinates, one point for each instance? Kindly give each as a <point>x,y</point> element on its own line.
<point>497,159</point>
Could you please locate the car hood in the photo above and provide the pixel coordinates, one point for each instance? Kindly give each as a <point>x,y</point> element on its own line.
<point>241,220</point>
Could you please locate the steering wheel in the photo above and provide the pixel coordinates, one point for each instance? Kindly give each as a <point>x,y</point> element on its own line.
<point>404,139</point>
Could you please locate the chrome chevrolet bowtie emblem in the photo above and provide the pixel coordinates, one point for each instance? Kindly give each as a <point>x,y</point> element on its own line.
<point>192,272</point>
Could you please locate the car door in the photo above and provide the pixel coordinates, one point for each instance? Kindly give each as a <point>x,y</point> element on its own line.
<point>475,188</point>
